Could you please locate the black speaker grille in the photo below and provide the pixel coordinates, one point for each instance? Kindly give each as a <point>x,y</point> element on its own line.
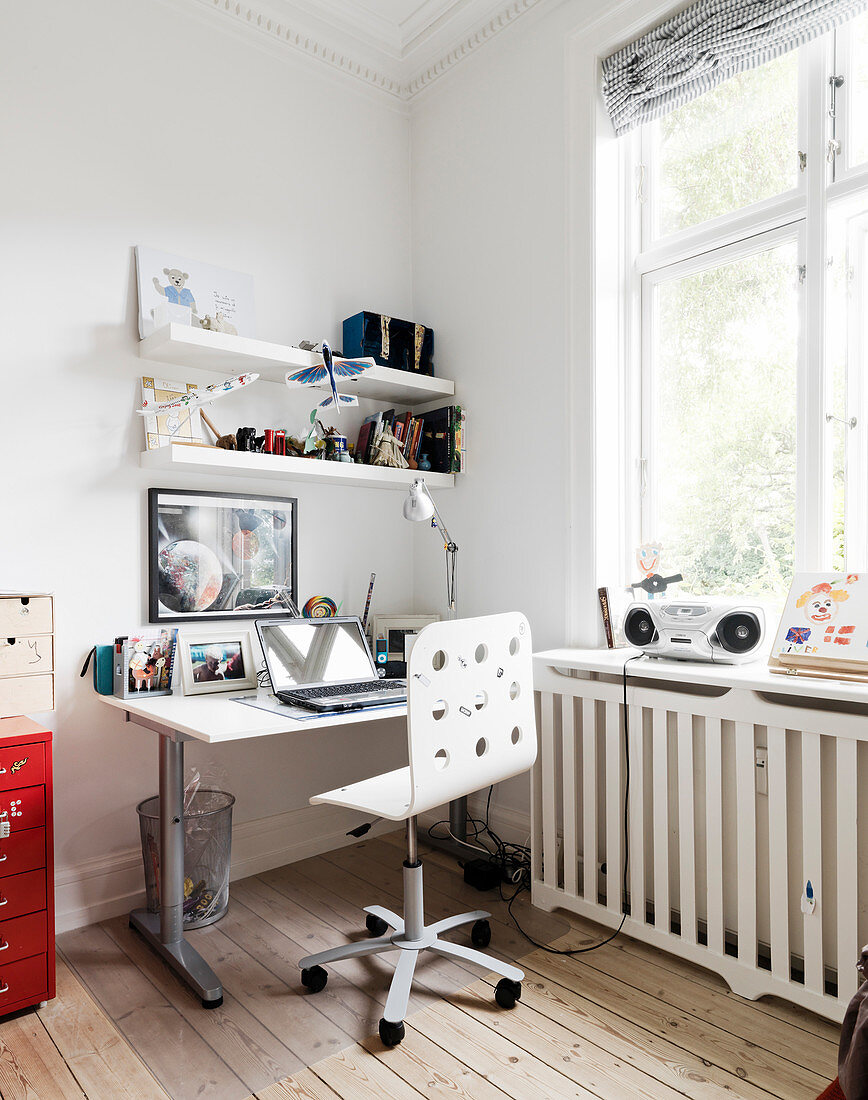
<point>739,632</point>
<point>639,628</point>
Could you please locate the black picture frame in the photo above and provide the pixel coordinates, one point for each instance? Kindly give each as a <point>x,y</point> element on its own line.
<point>239,561</point>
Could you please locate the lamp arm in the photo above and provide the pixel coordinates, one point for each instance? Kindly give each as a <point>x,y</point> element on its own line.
<point>451,556</point>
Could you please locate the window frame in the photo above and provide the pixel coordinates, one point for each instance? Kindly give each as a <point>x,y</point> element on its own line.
<point>799,214</point>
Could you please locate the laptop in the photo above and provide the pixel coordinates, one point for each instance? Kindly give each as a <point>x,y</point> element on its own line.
<point>324,665</point>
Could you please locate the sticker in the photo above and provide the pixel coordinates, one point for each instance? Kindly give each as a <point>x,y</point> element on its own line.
<point>464,711</point>
<point>19,764</point>
<point>809,900</point>
<point>798,634</point>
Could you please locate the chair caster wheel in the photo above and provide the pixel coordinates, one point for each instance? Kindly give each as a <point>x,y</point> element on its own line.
<point>212,1004</point>
<point>375,925</point>
<point>480,934</point>
<point>507,992</point>
<point>391,1034</point>
<point>314,979</point>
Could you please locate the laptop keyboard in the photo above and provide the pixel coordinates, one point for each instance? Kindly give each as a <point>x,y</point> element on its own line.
<point>365,686</point>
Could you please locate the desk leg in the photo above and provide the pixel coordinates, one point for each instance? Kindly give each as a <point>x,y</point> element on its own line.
<point>165,932</point>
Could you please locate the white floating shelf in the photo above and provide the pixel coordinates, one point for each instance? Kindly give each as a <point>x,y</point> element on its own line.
<point>185,346</point>
<point>184,458</point>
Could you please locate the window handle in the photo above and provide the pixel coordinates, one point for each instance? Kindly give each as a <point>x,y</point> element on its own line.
<point>851,423</point>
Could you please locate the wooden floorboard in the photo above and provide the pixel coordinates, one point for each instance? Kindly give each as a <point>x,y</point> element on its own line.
<point>626,1022</point>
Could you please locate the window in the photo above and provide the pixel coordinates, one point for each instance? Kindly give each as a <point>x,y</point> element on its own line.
<point>746,230</point>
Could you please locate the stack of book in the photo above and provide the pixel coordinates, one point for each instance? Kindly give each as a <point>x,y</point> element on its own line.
<point>440,434</point>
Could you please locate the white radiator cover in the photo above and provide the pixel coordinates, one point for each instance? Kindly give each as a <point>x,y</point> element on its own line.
<point>717,870</point>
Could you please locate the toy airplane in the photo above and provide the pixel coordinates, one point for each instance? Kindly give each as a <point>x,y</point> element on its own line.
<point>323,376</point>
<point>194,398</point>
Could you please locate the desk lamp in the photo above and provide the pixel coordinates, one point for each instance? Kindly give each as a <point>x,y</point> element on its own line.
<point>418,506</point>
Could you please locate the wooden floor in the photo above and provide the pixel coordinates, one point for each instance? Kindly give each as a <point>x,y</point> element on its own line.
<point>620,1023</point>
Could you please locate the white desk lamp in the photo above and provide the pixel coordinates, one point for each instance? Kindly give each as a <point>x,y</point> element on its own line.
<point>419,505</point>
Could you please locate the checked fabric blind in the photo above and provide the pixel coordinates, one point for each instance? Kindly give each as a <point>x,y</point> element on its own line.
<point>705,44</point>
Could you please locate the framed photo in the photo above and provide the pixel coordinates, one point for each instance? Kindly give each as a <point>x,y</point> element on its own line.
<point>217,660</point>
<point>396,628</point>
<point>219,556</point>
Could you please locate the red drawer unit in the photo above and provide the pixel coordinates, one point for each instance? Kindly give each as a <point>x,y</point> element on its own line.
<point>26,865</point>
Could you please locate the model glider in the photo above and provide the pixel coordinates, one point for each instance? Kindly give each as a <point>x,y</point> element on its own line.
<point>326,376</point>
<point>197,397</point>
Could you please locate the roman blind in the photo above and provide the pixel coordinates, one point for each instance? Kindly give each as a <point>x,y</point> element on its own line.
<point>705,44</point>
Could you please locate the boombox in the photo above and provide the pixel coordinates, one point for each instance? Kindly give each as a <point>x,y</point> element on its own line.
<point>697,630</point>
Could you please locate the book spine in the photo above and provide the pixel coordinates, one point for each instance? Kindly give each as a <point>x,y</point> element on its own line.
<point>603,595</point>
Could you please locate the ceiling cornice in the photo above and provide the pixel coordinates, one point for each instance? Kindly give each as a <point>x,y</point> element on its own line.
<point>378,68</point>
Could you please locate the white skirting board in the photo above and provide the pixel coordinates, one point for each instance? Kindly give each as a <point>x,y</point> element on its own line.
<point>101,888</point>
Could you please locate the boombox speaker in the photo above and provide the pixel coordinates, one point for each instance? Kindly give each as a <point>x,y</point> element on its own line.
<point>726,633</point>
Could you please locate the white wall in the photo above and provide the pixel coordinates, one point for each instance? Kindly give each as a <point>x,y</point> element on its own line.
<point>137,122</point>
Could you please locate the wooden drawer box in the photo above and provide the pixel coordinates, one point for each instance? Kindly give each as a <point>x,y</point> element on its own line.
<point>21,852</point>
<point>20,894</point>
<point>20,615</point>
<point>21,766</point>
<point>23,982</point>
<point>20,694</point>
<point>26,655</point>
<point>22,937</point>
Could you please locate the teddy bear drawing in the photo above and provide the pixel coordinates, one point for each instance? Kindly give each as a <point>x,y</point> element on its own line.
<point>175,291</point>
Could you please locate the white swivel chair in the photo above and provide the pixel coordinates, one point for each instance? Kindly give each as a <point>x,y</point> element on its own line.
<point>470,723</point>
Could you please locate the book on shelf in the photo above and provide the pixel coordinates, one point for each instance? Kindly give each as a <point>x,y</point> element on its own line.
<point>442,438</point>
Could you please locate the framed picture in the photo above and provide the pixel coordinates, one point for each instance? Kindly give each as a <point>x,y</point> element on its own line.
<point>172,288</point>
<point>396,628</point>
<point>217,660</point>
<point>220,555</point>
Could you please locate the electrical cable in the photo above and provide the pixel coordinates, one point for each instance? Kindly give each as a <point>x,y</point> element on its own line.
<point>523,885</point>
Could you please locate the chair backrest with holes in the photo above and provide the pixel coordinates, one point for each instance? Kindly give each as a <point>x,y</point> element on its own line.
<point>471,719</point>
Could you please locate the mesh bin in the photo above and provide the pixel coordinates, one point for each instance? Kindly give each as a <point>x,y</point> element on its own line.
<point>207,848</point>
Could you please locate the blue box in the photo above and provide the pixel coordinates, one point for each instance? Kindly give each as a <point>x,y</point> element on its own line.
<point>363,337</point>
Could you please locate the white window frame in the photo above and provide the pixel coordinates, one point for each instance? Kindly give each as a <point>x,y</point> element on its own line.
<point>799,214</point>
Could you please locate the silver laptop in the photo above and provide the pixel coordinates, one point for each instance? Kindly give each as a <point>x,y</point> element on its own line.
<point>324,665</point>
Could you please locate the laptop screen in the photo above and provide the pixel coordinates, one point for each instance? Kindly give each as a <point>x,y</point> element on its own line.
<point>305,652</point>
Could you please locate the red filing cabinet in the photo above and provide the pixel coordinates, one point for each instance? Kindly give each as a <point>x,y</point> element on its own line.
<point>26,865</point>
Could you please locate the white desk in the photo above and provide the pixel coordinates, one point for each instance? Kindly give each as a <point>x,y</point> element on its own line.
<point>212,718</point>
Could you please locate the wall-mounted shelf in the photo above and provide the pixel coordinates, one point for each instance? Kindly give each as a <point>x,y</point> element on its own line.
<point>187,459</point>
<point>184,346</point>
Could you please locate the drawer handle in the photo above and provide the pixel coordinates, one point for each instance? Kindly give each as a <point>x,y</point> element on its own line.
<point>4,945</point>
<point>4,901</point>
<point>2,771</point>
<point>4,988</point>
<point>3,858</point>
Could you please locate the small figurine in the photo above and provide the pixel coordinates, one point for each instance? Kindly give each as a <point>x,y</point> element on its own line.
<point>218,323</point>
<point>388,451</point>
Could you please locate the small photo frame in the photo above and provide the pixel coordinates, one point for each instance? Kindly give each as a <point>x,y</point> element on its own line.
<point>217,660</point>
<point>394,628</point>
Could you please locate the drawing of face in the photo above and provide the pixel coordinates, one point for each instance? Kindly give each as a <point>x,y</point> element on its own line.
<point>821,609</point>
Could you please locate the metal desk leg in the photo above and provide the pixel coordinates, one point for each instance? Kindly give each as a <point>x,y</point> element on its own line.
<point>165,932</point>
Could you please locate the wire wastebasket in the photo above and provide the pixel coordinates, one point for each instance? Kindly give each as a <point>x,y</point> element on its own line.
<point>207,850</point>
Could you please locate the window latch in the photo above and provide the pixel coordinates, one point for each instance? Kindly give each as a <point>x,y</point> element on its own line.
<point>643,477</point>
<point>833,148</point>
<point>803,273</point>
<point>803,161</point>
<point>851,423</point>
<point>835,82</point>
<point>640,186</point>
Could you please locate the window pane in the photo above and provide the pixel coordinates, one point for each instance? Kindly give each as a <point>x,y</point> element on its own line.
<point>729,148</point>
<point>857,150</point>
<point>725,354</point>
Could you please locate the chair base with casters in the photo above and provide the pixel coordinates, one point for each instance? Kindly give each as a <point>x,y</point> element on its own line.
<point>410,935</point>
<point>470,723</point>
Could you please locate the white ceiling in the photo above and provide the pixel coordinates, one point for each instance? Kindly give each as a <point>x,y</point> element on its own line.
<point>399,46</point>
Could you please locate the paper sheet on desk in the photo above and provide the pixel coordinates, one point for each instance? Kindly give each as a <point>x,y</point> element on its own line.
<point>299,714</point>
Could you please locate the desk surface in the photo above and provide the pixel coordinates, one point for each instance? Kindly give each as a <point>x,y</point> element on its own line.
<point>217,717</point>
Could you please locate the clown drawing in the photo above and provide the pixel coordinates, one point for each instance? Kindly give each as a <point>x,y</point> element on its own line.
<point>821,603</point>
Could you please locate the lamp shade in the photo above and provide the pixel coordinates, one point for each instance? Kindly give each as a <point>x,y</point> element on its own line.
<point>417,504</point>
